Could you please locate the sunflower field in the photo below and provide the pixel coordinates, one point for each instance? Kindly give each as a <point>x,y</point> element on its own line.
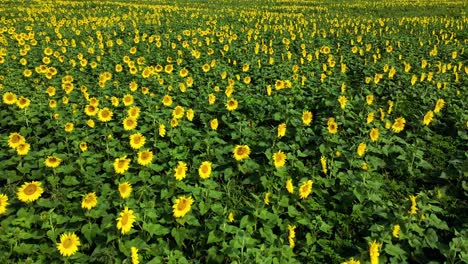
<point>308,131</point>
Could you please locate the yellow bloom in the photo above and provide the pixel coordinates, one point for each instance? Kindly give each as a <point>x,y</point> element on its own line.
<point>23,102</point>
<point>105,115</point>
<point>182,206</point>
<point>121,165</point>
<point>211,99</point>
<point>241,152</point>
<point>174,122</point>
<point>134,251</point>
<point>52,162</point>
<point>3,203</point>
<point>428,118</point>
<point>9,98</point>
<point>137,141</point>
<point>399,124</point>
<point>134,112</point>
<point>332,126</point>
<point>390,107</point>
<point>89,201</point>
<point>369,99</point>
<point>361,149</point>
<point>130,123</point>
<point>125,220</point>
<point>15,139</point>
<point>68,245</point>
<point>289,186</point>
<point>396,231</point>
<point>91,110</point>
<point>305,189</point>
<point>323,161</point>
<point>364,166</point>
<point>145,157</point>
<point>205,170</point>
<point>374,252</point>
<point>291,235</point>
<point>190,114</point>
<point>279,159</point>
<point>180,171</point>
<point>125,189</point>
<point>370,117</point>
<point>69,127</point>
<point>307,118</point>
<point>90,123</point>
<point>214,124</point>
<point>281,130</point>
<point>127,100</point>
<point>231,217</point>
<point>266,198</point>
<point>30,191</point>
<point>414,205</point>
<point>178,112</point>
<point>343,101</point>
<point>167,100</point>
<point>232,104</point>
<point>162,130</point>
<point>374,134</point>
<point>439,105</point>
<point>352,261</point>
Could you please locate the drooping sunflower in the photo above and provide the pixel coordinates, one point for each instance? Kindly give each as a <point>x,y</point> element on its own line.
<point>134,251</point>
<point>241,152</point>
<point>307,118</point>
<point>182,206</point>
<point>279,159</point>
<point>266,198</point>
<point>370,117</point>
<point>89,201</point>
<point>69,243</point>
<point>145,157</point>
<point>121,165</point>
<point>125,220</point>
<point>9,98</point>
<point>439,105</point>
<point>281,130</point>
<point>289,186</point>
<point>374,134</point>
<point>23,149</point>
<point>211,99</point>
<point>52,162</point>
<point>396,231</point>
<point>374,252</point>
<point>361,149</point>
<point>343,101</point>
<point>399,125</point>
<point>162,130</point>
<point>205,170</point>
<point>125,189</point>
<point>180,171</point>
<point>231,217</point>
<point>30,191</point>
<point>232,104</point>
<point>428,118</point>
<point>305,189</point>
<point>323,162</point>
<point>15,139</point>
<point>137,140</point>
<point>190,114</point>
<point>3,203</point>
<point>291,235</point>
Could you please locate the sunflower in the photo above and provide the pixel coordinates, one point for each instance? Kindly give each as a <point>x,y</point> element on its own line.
<point>125,189</point>
<point>182,206</point>
<point>369,99</point>
<point>374,252</point>
<point>282,130</point>
<point>343,101</point>
<point>91,110</point>
<point>125,220</point>
<point>205,170</point>
<point>127,100</point>
<point>23,102</point>
<point>105,115</point>
<point>23,149</point>
<point>167,100</point>
<point>162,130</point>
<point>428,118</point>
<point>114,101</point>
<point>137,140</point>
<point>370,117</point>
<point>361,149</point>
<point>289,186</point>
<point>439,105</point>
<point>90,123</point>
<point>190,114</point>
<point>332,126</point>
<point>398,125</point>
<point>374,134</point>
<point>291,235</point>
<point>83,146</point>
<point>121,165</point>
<point>9,98</point>
<point>52,162</point>
<point>323,161</point>
<point>130,123</point>
<point>3,203</point>
<point>214,124</point>
<point>134,112</point>
<point>68,245</point>
<point>178,112</point>
<point>180,171</point>
<point>396,231</point>
<point>89,201</point>
<point>211,99</point>
<point>145,157</point>
<point>231,217</point>
<point>134,251</point>
<point>183,72</point>
<point>307,118</point>
<point>232,104</point>
<point>279,85</point>
<point>305,189</point>
<point>30,191</point>
<point>352,261</point>
<point>414,205</point>
<point>69,127</point>
<point>279,159</point>
<point>241,152</point>
<point>15,139</point>
<point>266,198</point>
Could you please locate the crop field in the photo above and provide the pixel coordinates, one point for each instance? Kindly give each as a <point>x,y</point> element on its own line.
<point>309,131</point>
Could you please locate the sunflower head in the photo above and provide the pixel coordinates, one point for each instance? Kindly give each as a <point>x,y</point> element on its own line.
<point>69,243</point>
<point>241,152</point>
<point>182,206</point>
<point>30,191</point>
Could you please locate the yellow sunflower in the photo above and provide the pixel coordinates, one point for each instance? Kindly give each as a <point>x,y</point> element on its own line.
<point>211,99</point>
<point>369,99</point>
<point>134,112</point>
<point>399,124</point>
<point>23,149</point>
<point>282,130</point>
<point>323,161</point>
<point>205,170</point>
<point>15,139</point>
<point>374,252</point>
<point>232,104</point>
<point>279,158</point>
<point>214,124</point>
<point>289,186</point>
<point>180,171</point>
<point>343,101</point>
<point>134,251</point>
<point>162,130</point>
<point>3,203</point>
<point>9,98</point>
<point>361,149</point>
<point>91,110</point>
<point>167,100</point>
<point>182,206</point>
<point>332,126</point>
<point>129,123</point>
<point>291,235</point>
<point>439,105</point>
<point>30,191</point>
<point>125,189</point>
<point>105,115</point>
<point>190,114</point>
<point>69,127</point>
<point>305,189</point>
<point>89,201</point>
<point>121,165</point>
<point>145,157</point>
<point>52,162</point>
<point>241,152</point>
<point>125,220</point>
<point>231,217</point>
<point>374,134</point>
<point>127,100</point>
<point>23,102</point>
<point>68,245</point>
<point>428,118</point>
<point>83,146</point>
<point>307,118</point>
<point>137,140</point>
<point>178,112</point>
